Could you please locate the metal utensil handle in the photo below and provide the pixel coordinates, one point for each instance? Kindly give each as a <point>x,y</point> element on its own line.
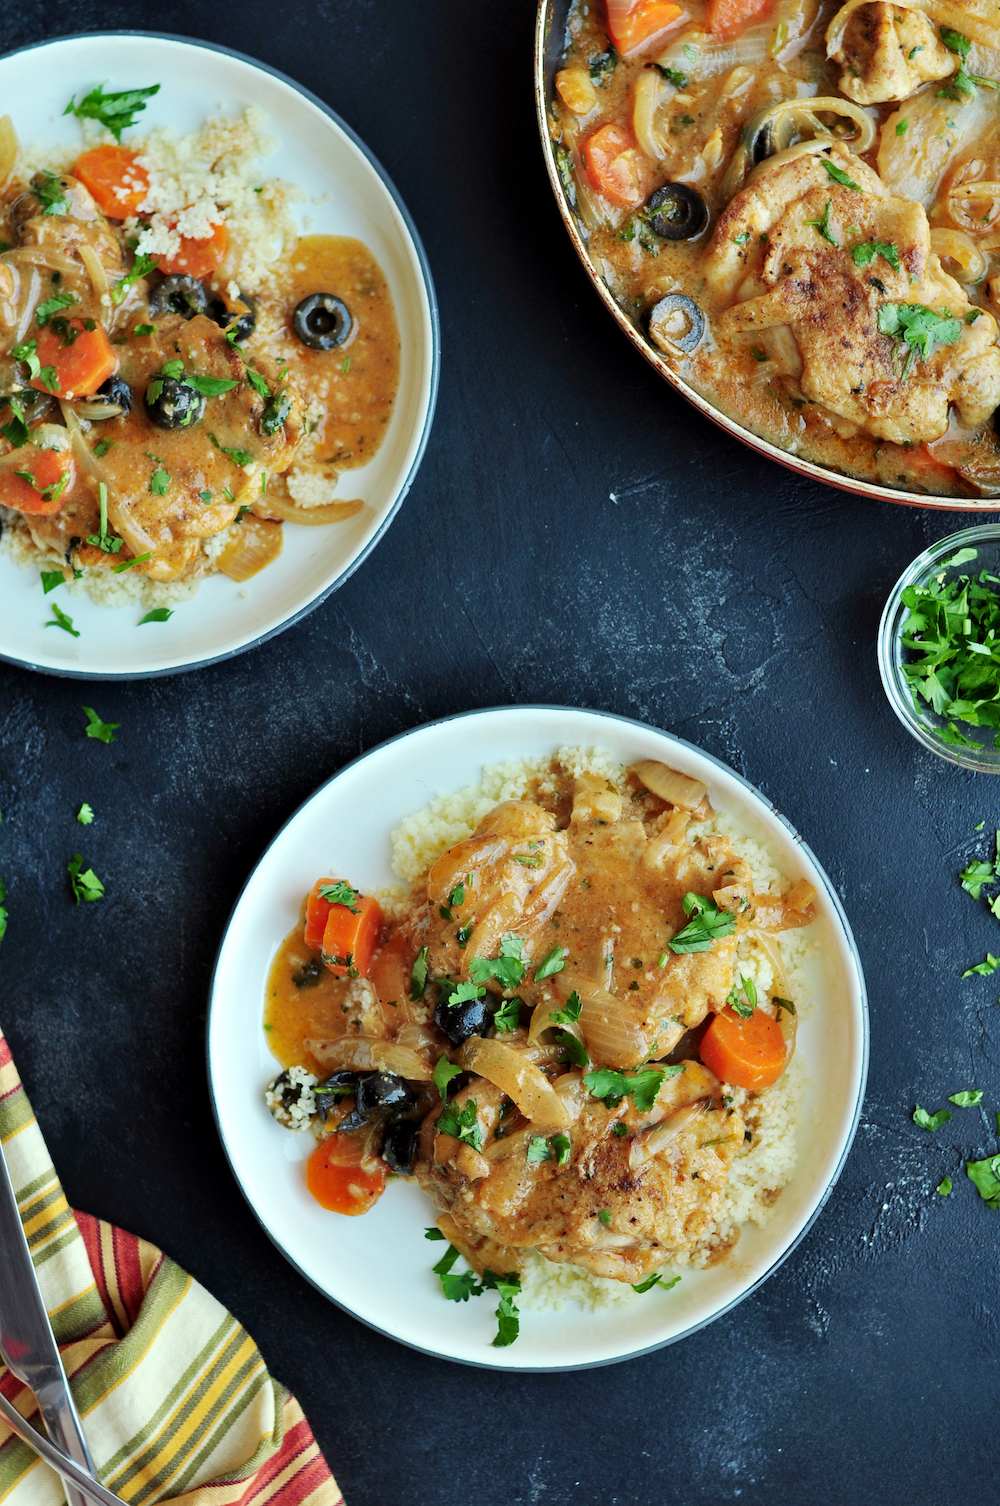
<point>68,1468</point>
<point>62,1423</point>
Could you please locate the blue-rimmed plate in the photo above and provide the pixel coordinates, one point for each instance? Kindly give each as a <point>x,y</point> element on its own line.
<point>378,1266</point>
<point>346,193</point>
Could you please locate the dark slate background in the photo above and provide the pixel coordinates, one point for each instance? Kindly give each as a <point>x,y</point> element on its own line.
<point>715,595</point>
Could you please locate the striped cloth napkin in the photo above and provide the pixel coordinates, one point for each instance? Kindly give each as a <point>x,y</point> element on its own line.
<point>175,1399</point>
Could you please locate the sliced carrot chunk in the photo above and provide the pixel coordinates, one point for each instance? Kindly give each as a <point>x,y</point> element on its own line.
<point>75,360</point>
<point>616,167</point>
<point>338,1181</point>
<point>51,475</point>
<point>634,24</point>
<point>199,258</point>
<point>727,18</point>
<point>350,938</point>
<point>746,1053</point>
<point>116,182</point>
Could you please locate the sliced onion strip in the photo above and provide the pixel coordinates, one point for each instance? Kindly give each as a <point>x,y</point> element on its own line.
<point>671,785</point>
<point>95,271</point>
<point>520,1079</point>
<point>330,512</point>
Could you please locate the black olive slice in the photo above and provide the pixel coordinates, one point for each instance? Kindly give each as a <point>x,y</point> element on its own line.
<point>676,212</point>
<point>174,405</point>
<point>677,323</point>
<point>399,1147</point>
<point>116,390</point>
<point>179,294</point>
<point>240,321</point>
<point>458,1022</point>
<point>333,1089</point>
<point>322,321</point>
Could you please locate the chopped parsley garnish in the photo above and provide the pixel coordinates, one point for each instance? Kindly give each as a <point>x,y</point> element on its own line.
<point>963,84</point>
<point>570,1013</point>
<point>308,975</point>
<point>51,579</point>
<point>50,493</point>
<point>983,969</point>
<point>102,447</point>
<point>159,482</point>
<point>340,893</point>
<point>137,559</point>
<point>44,311</point>
<point>944,1186</point>
<point>144,329</point>
<point>508,969</point>
<point>823,224</point>
<point>672,76</point>
<point>462,935</point>
<point>208,386</point>
<point>508,1016</point>
<point>158,614</point>
<point>707,924</point>
<point>968,1098</point>
<point>538,1150</point>
<point>643,1085</point>
<point>85,814</point>
<point>561,1148</point>
<point>985,1176</point>
<point>104,732</point>
<point>16,431</point>
<point>85,884</point>
<point>115,111</point>
<point>237,456</point>
<point>759,355</point>
<point>553,963</point>
<point>781,1004</point>
<point>926,1121</point>
<point>902,126</point>
<point>453,994</point>
<point>433,1233</point>
<point>744,236</point>
<point>276,412</point>
<point>603,64</point>
<point>528,859</point>
<point>866,253</point>
<point>918,328</point>
<point>50,193</point>
<point>107,542</point>
<point>418,976</point>
<point>345,365</point>
<point>463,1124</point>
<point>605,1217</point>
<point>743,1007</point>
<point>61,620</point>
<point>3,912</point>
<point>651,1281</point>
<point>143,264</point>
<point>27,352</point>
<point>950,636</point>
<point>444,1071</point>
<point>839,176</point>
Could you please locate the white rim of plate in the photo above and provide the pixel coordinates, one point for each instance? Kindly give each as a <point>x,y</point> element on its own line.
<point>430,376</point>
<point>588,732</point>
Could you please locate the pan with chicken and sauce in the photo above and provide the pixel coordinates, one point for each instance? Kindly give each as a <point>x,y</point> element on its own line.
<point>794,204</point>
<point>181,374</point>
<point>568,1033</point>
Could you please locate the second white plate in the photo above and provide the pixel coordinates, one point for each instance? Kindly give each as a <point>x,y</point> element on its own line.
<point>347,193</point>
<point>378,1266</point>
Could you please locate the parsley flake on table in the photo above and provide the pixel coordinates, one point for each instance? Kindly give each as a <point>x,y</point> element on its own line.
<point>508,969</point>
<point>340,893</point>
<point>944,1186</point>
<point>926,1121</point>
<point>85,814</point>
<point>983,969</point>
<point>985,1176</point>
<point>918,329</point>
<point>115,111</point>
<point>707,924</point>
<point>3,911</point>
<point>61,620</point>
<point>85,884</point>
<point>968,1098</point>
<point>553,963</point>
<point>104,732</point>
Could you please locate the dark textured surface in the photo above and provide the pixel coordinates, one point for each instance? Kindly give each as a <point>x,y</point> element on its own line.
<point>713,594</point>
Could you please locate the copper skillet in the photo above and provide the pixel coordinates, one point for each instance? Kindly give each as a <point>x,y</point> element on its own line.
<point>550,32</point>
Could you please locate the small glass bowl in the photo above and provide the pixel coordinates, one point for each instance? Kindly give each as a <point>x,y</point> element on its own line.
<point>924,723</point>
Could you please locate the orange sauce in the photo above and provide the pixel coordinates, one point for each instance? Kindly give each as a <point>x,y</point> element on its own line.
<point>313,1009</point>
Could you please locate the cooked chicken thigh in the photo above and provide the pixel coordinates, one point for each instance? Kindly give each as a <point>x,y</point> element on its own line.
<point>888,51</point>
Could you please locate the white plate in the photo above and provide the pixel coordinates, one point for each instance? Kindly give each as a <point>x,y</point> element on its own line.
<point>320,153</point>
<point>378,1266</point>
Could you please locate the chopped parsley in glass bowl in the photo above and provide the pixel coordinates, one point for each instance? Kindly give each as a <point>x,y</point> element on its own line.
<point>939,648</point>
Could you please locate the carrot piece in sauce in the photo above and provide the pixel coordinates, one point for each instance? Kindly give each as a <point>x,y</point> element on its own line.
<point>75,360</point>
<point>615,166</point>
<point>350,939</point>
<point>317,913</point>
<point>746,1053</point>
<point>52,474</point>
<point>199,258</point>
<point>337,1179</point>
<point>727,18</point>
<point>114,179</point>
<point>638,23</point>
